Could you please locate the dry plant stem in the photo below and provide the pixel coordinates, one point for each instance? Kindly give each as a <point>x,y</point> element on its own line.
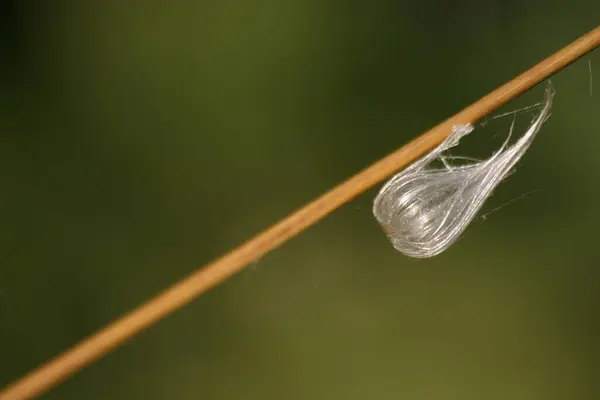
<point>84,353</point>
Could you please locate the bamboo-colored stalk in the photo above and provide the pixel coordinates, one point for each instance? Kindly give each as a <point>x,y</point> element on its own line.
<point>55,371</point>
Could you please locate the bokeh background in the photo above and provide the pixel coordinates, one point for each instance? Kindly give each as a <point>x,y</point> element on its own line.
<point>140,140</point>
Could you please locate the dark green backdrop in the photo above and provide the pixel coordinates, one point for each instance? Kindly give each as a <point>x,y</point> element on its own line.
<point>138,141</point>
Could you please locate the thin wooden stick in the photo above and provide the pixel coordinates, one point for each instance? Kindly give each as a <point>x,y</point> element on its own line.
<point>89,350</point>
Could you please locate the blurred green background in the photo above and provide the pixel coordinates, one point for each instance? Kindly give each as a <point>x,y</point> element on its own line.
<point>138,141</point>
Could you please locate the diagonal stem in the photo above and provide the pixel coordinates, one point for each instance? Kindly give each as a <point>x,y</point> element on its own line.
<point>84,353</point>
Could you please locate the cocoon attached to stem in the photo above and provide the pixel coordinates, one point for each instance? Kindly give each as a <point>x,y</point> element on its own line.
<point>424,210</point>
